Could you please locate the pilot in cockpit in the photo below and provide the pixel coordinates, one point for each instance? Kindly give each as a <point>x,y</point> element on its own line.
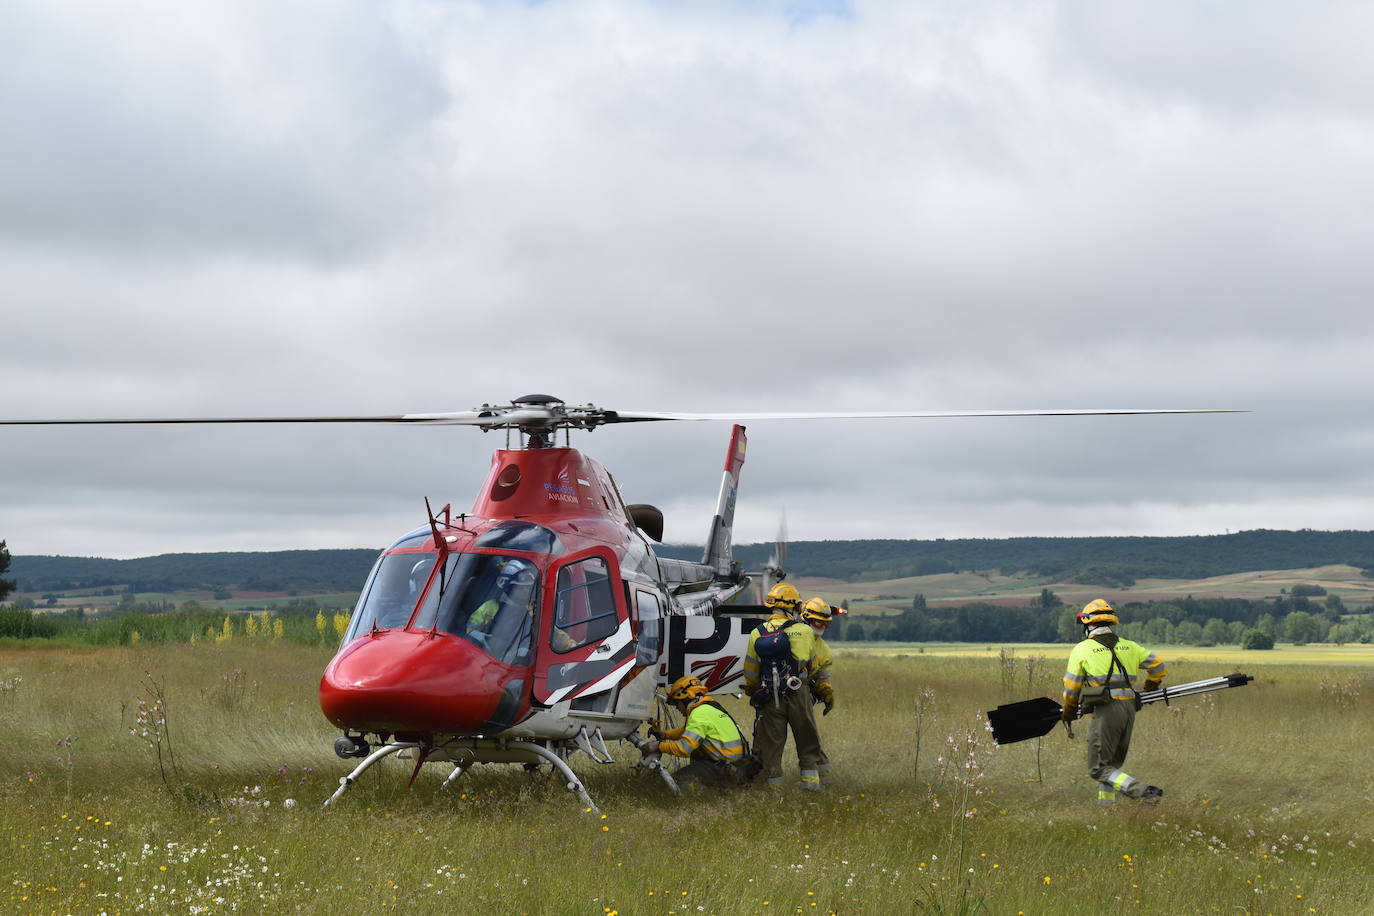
<point>503,621</point>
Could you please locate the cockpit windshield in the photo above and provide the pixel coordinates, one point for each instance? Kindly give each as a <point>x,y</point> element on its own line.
<point>391,592</point>
<point>489,600</point>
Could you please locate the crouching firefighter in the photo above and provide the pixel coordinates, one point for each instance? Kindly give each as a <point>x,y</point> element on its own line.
<point>1101,679</point>
<point>709,736</point>
<point>777,680</point>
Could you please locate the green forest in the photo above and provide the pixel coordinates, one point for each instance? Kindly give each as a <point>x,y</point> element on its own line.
<point>270,571</point>
<point>1251,623</point>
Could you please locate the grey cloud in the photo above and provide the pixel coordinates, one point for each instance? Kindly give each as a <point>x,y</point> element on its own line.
<point>933,206</point>
<point>252,127</point>
<point>1252,60</point>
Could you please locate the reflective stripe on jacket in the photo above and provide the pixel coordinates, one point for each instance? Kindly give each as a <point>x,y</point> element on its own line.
<point>800,638</point>
<point>1091,665</point>
<point>709,730</point>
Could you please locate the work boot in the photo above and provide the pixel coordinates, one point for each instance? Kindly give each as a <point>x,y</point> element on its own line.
<point>1152,795</point>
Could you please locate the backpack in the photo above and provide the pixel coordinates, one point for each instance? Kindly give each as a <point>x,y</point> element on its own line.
<point>777,666</point>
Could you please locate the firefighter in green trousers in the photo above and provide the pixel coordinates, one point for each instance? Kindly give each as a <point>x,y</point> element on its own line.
<point>1101,679</point>
<point>777,681</point>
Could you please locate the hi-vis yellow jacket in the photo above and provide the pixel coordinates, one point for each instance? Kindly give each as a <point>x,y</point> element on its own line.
<point>1091,666</point>
<point>819,665</point>
<point>801,639</point>
<point>708,730</point>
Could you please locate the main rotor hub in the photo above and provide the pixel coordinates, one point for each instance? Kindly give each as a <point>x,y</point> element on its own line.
<point>538,416</point>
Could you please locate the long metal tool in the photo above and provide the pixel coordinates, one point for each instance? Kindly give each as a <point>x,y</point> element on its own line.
<point>1014,722</point>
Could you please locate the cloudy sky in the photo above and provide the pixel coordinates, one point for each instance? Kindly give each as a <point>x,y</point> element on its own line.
<point>245,208</point>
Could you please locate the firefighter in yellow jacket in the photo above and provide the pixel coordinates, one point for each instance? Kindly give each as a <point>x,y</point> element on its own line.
<point>1101,679</point>
<point>777,676</point>
<point>708,736</point>
<point>817,613</point>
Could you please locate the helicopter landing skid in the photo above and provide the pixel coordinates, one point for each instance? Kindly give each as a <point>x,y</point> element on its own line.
<point>658,767</point>
<point>463,755</point>
<point>380,753</point>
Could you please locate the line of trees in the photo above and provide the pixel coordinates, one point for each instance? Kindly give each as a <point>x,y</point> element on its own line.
<point>6,585</point>
<point>1294,618</point>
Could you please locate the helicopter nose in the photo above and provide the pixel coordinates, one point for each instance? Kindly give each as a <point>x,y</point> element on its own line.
<point>404,682</point>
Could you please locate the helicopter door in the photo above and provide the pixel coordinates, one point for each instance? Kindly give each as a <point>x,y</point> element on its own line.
<point>586,645</point>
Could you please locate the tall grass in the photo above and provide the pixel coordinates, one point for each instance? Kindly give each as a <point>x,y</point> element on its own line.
<point>1265,811</point>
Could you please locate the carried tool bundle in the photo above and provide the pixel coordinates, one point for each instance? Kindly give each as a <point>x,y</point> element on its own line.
<point>1014,722</point>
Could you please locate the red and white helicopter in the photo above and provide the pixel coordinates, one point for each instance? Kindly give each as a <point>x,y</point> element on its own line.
<point>541,622</point>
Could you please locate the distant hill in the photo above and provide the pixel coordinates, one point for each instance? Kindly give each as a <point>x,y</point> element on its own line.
<point>283,570</point>
<point>1097,560</point>
<point>1107,560</point>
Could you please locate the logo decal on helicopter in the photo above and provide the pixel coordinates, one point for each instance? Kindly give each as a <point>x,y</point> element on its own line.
<point>561,489</point>
<point>716,673</point>
<point>562,485</point>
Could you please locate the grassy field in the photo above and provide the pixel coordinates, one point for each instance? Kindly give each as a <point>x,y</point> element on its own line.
<point>1268,797</point>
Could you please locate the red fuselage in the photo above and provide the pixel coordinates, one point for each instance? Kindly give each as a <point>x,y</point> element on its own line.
<point>414,664</point>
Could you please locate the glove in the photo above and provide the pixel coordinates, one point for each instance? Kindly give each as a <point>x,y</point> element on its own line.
<point>1150,684</point>
<point>826,694</point>
<point>648,749</point>
<point>654,732</point>
<point>1068,714</point>
<point>759,698</point>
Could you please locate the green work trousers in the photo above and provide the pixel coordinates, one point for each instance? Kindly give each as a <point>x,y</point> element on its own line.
<point>771,725</point>
<point>1109,739</point>
<point>707,772</point>
<point>822,758</point>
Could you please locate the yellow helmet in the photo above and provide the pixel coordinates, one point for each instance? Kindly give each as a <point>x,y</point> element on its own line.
<point>816,610</point>
<point>784,597</point>
<point>1098,613</point>
<point>686,689</point>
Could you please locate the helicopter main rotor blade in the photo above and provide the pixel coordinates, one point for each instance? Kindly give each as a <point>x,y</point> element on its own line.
<point>637,416</point>
<point>460,418</point>
<point>539,414</point>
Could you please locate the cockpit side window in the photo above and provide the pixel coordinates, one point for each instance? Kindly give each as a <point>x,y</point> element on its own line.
<point>585,609</point>
<point>650,612</point>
